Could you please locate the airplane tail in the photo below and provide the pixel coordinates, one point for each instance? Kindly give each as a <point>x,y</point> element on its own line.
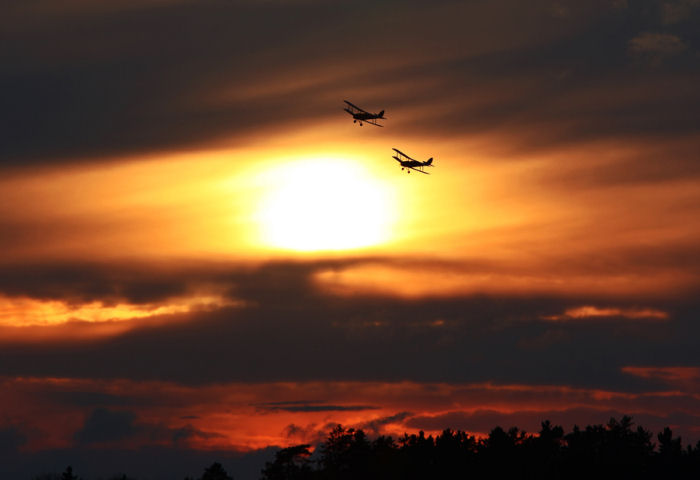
<point>381,114</point>
<point>429,162</point>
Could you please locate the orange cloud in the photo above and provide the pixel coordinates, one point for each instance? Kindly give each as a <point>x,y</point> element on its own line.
<point>30,312</point>
<point>684,378</point>
<point>593,312</point>
<point>441,280</point>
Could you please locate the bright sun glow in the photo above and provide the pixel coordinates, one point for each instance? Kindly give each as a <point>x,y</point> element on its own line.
<point>324,204</point>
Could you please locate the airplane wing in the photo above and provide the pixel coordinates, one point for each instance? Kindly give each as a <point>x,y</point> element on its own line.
<point>402,154</point>
<point>373,122</point>
<point>355,107</point>
<point>417,170</point>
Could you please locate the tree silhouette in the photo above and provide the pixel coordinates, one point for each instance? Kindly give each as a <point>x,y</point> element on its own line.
<point>68,474</point>
<point>670,452</point>
<point>215,472</point>
<point>418,455</point>
<point>345,454</point>
<point>290,464</point>
<point>384,459</point>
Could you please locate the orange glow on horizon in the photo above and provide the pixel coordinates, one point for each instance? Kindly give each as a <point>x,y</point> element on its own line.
<point>239,415</point>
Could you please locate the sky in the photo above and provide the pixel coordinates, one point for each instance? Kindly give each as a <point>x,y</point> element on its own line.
<point>204,259</point>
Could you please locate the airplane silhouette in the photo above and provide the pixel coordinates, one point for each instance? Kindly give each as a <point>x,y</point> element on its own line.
<point>360,115</point>
<point>409,163</point>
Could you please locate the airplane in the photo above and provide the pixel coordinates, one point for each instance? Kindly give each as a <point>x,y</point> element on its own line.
<point>360,115</point>
<point>411,164</point>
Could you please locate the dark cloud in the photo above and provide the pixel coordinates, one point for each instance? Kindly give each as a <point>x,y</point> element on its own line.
<point>293,430</point>
<point>375,426</point>
<point>676,11</point>
<point>11,439</point>
<point>93,82</point>
<point>311,407</point>
<point>313,434</point>
<point>291,284</point>
<point>112,427</point>
<point>182,435</point>
<point>76,282</point>
<point>88,398</point>
<point>291,331</point>
<point>173,79</point>
<point>657,44</point>
<point>574,92</point>
<point>106,426</point>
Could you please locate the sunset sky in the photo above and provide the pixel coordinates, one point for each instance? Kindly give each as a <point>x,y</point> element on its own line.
<point>203,258</point>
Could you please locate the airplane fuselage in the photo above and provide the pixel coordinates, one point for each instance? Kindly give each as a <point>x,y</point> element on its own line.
<point>411,163</point>
<point>365,116</point>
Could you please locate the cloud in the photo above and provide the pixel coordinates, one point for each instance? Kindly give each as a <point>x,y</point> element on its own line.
<point>376,425</point>
<point>161,91</point>
<point>232,73</point>
<point>685,378</point>
<point>312,434</point>
<point>656,44</point>
<point>591,312</point>
<point>676,11</point>
<point>302,406</point>
<point>24,312</point>
<point>183,435</point>
<point>287,317</point>
<point>105,427</point>
<point>11,439</point>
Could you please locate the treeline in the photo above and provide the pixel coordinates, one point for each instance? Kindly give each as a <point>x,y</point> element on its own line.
<point>617,448</point>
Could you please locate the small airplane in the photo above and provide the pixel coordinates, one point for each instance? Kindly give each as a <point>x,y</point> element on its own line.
<point>360,115</point>
<point>409,163</point>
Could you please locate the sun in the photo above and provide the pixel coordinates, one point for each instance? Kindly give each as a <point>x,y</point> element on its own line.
<point>324,204</point>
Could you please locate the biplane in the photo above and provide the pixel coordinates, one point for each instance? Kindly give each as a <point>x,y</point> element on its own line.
<point>409,163</point>
<point>360,115</point>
